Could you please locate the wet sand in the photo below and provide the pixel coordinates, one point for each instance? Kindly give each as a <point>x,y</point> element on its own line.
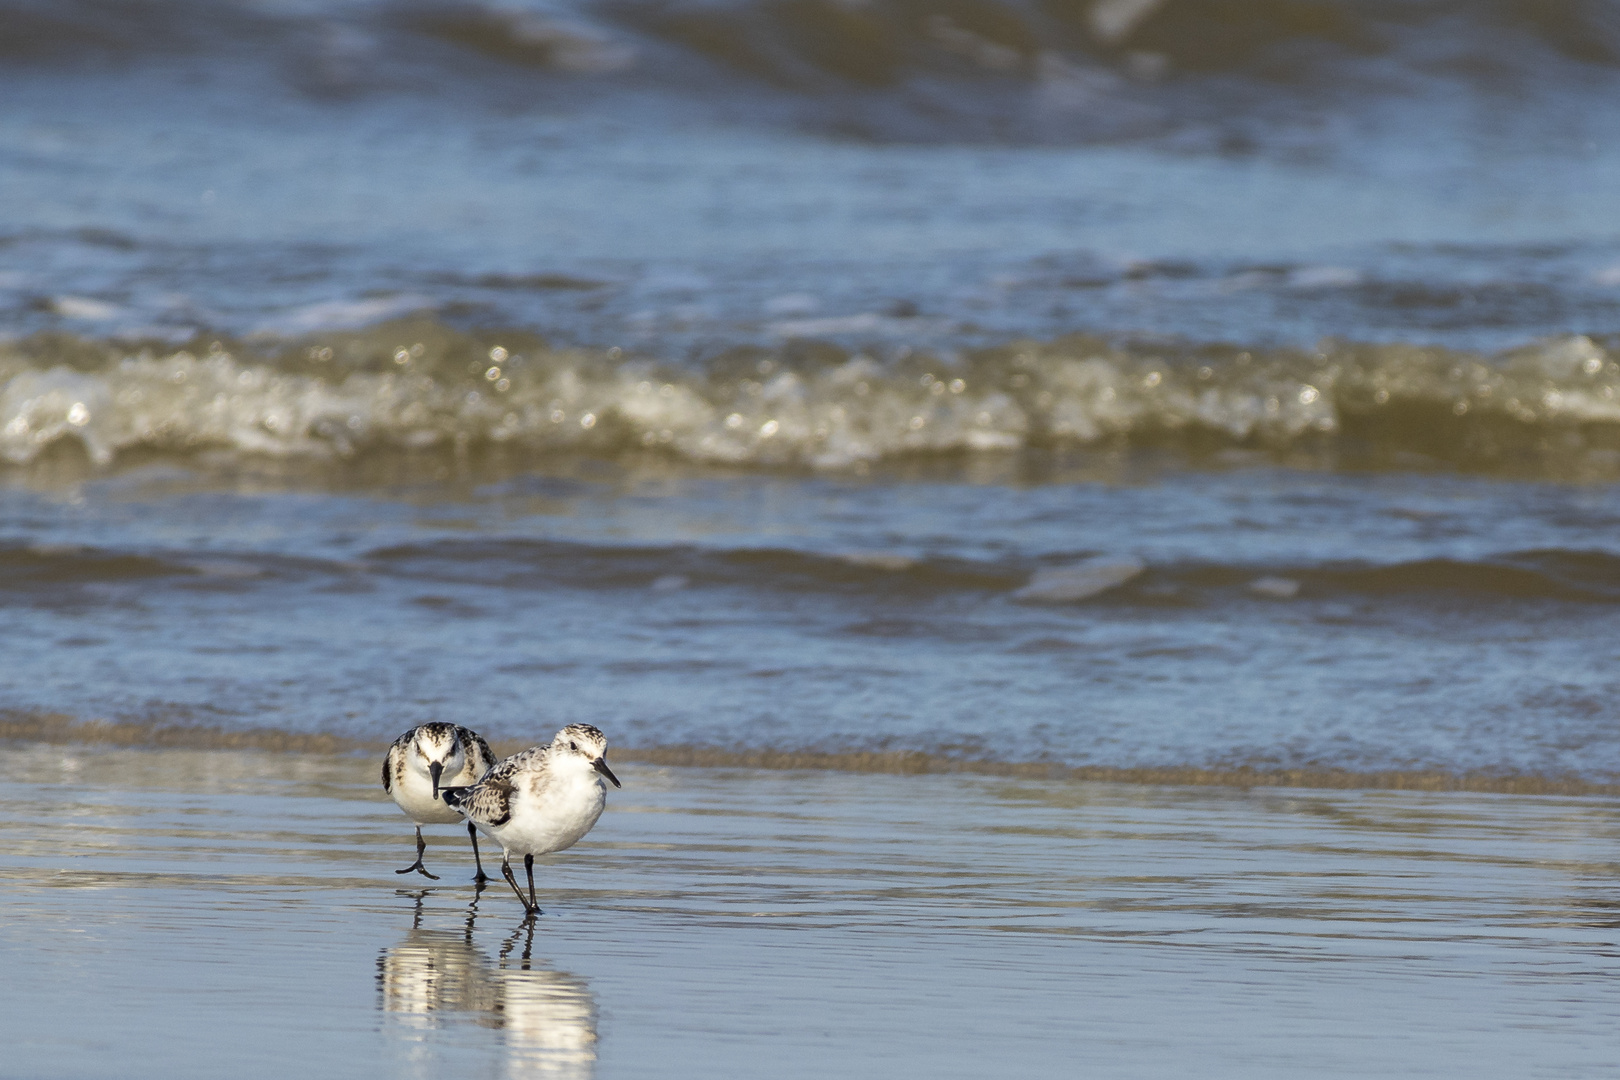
<point>201,913</point>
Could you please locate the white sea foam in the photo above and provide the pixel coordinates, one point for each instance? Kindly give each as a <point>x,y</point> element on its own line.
<point>378,390</point>
<point>85,308</point>
<point>340,314</point>
<point>1080,581</point>
<point>1275,588</point>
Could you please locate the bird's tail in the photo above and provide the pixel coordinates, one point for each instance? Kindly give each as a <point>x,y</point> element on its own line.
<point>453,796</point>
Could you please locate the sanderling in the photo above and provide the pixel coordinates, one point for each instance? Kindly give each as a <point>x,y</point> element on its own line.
<point>539,801</point>
<point>420,765</point>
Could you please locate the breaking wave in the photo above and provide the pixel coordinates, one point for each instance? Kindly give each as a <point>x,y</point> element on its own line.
<point>419,387</point>
<point>881,68</point>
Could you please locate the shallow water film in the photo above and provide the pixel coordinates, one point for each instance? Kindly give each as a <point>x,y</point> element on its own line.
<point>1090,527</point>
<point>236,912</point>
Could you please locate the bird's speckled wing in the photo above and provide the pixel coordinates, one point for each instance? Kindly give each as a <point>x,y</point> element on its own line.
<point>476,750</point>
<point>394,760</point>
<point>489,802</point>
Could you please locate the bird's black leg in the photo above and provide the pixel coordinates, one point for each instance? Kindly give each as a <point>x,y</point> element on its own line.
<point>472,834</point>
<point>421,846</point>
<point>528,865</point>
<point>511,879</point>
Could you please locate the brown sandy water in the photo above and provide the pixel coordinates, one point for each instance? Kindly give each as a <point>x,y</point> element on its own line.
<point>203,913</point>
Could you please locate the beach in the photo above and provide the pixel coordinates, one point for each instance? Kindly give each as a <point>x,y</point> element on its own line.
<point>1089,530</point>
<point>187,913</point>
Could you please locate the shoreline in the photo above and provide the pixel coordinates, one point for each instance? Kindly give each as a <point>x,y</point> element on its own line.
<point>232,911</point>
<point>54,728</point>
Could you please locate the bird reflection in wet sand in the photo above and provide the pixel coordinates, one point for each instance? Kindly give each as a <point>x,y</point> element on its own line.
<point>436,978</point>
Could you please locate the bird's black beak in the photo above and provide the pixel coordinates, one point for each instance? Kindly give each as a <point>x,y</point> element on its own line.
<point>435,769</point>
<point>600,765</point>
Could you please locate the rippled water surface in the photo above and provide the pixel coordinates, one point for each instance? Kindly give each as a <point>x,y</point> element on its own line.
<point>1128,616</point>
<point>1129,384</point>
<point>1178,389</point>
<point>239,912</point>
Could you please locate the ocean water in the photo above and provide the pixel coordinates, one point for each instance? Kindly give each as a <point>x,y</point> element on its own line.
<point>1178,384</point>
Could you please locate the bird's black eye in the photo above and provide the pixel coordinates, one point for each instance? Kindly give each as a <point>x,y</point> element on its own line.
<point>574,746</point>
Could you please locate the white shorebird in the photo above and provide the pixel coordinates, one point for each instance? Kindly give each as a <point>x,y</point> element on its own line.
<point>540,800</point>
<point>420,765</point>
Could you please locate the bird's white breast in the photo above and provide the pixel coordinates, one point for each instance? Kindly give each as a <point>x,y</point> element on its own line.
<point>551,816</point>
<point>414,794</point>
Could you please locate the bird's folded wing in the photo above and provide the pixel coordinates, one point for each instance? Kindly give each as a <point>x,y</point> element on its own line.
<point>488,802</point>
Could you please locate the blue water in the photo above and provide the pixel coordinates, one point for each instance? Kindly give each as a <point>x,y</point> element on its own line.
<point>366,363</point>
